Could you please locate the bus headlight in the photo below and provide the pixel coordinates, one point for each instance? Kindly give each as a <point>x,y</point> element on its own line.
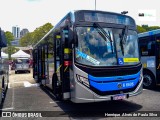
<point>83,80</point>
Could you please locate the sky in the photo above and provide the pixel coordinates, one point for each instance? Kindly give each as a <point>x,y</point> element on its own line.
<point>32,14</point>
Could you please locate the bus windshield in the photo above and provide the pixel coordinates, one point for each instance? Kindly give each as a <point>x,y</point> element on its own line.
<point>95,50</point>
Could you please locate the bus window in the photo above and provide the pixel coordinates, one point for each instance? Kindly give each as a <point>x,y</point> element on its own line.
<point>147,47</point>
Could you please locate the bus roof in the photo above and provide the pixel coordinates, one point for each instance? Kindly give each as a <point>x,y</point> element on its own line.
<point>72,15</point>
<point>149,33</point>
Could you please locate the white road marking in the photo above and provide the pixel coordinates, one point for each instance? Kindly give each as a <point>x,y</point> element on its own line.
<point>11,108</point>
<point>51,102</point>
<point>144,89</point>
<point>54,102</point>
<point>28,84</point>
<point>19,82</point>
<point>36,85</point>
<point>9,85</point>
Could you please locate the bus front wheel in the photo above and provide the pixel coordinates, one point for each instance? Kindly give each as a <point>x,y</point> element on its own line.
<point>148,80</point>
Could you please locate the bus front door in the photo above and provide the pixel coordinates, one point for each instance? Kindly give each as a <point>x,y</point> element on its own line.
<point>62,58</point>
<point>66,63</point>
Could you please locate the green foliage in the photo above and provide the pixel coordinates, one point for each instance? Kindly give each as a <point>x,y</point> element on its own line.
<point>33,37</point>
<point>27,39</point>
<point>9,37</point>
<point>145,28</point>
<point>152,28</point>
<point>10,50</point>
<point>140,29</point>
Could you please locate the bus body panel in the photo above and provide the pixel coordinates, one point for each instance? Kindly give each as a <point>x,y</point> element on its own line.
<point>149,62</point>
<point>4,67</point>
<point>110,83</point>
<point>81,94</point>
<point>4,77</point>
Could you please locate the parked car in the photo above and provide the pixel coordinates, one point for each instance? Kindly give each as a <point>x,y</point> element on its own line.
<point>22,64</point>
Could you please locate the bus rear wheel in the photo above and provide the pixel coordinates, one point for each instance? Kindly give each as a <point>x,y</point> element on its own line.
<point>148,80</point>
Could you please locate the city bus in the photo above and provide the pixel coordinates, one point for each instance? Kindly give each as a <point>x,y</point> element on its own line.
<point>149,45</point>
<point>90,56</point>
<point>4,68</point>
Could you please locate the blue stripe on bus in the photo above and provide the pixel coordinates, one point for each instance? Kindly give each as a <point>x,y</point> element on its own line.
<point>103,84</point>
<point>150,33</point>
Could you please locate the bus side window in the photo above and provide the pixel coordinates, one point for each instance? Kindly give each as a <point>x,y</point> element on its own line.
<point>57,47</point>
<point>143,48</point>
<point>147,46</point>
<point>151,48</point>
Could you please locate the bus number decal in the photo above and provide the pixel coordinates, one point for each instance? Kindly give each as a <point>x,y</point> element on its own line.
<point>129,84</point>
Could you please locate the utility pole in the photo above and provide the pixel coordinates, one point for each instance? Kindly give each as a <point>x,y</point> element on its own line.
<point>95,4</point>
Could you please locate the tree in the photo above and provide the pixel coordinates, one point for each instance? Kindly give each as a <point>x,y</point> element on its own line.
<point>27,39</point>
<point>9,37</point>
<point>153,28</point>
<point>33,37</point>
<point>140,29</point>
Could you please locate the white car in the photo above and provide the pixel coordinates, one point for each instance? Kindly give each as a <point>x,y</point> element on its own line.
<point>22,64</point>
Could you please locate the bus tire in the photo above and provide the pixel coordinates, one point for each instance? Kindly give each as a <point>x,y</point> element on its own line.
<point>148,80</point>
<point>54,79</point>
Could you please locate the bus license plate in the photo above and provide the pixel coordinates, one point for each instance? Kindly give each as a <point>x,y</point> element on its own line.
<point>119,97</point>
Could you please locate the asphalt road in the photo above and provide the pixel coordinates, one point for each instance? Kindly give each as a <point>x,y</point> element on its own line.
<point>25,96</point>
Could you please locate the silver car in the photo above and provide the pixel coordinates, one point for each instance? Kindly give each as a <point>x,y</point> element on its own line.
<point>22,64</point>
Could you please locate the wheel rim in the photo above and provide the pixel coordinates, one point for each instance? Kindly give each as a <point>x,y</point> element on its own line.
<point>147,80</point>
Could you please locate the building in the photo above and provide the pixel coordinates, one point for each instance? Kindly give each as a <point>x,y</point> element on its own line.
<point>16,32</point>
<point>23,32</point>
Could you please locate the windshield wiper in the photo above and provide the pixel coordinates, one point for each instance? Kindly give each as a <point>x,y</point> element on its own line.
<point>103,33</point>
<point>123,38</point>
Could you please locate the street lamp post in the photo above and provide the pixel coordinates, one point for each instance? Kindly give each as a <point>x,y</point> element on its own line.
<point>95,4</point>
